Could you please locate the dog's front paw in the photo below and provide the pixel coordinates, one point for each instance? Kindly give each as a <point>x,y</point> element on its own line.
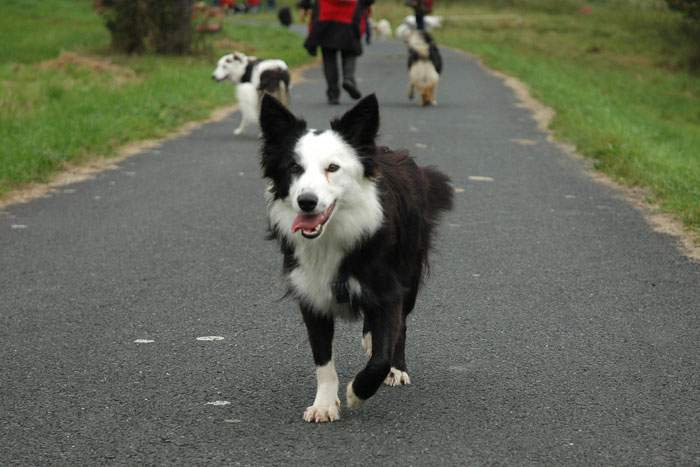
<point>397,378</point>
<point>322,414</point>
<point>238,131</point>
<point>354,402</point>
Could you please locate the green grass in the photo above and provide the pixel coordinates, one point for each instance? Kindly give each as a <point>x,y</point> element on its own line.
<point>66,98</point>
<point>617,78</point>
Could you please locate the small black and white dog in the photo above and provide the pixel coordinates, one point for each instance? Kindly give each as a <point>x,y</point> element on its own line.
<point>355,224</point>
<point>284,15</point>
<point>253,78</point>
<point>424,66</point>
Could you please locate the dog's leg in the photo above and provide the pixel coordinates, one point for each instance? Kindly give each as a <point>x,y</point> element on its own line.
<point>433,94</point>
<point>411,91</point>
<point>241,127</point>
<point>397,375</point>
<point>366,338</point>
<point>425,96</point>
<point>399,371</point>
<point>326,406</point>
<point>384,326</point>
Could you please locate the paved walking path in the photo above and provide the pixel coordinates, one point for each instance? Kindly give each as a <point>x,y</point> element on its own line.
<point>556,328</point>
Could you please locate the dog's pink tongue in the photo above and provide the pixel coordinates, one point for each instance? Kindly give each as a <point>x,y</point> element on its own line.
<point>307,221</point>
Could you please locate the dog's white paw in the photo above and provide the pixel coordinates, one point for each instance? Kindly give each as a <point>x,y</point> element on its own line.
<point>322,414</point>
<point>238,131</point>
<point>354,402</point>
<point>367,344</point>
<point>397,378</point>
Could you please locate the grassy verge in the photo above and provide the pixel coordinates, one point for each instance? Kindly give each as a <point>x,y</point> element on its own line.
<point>614,73</point>
<point>65,97</point>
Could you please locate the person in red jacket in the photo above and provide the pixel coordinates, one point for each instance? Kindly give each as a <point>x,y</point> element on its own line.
<point>337,27</point>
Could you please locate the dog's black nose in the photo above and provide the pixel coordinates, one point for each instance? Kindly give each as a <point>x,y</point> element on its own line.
<point>307,202</point>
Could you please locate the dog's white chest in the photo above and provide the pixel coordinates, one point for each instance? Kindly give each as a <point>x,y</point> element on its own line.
<point>314,276</point>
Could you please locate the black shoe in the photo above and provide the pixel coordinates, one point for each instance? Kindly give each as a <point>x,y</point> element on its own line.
<point>352,90</point>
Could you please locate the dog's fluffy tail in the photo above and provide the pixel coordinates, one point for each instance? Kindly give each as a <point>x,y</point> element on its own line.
<point>282,93</point>
<point>440,192</point>
<point>276,83</point>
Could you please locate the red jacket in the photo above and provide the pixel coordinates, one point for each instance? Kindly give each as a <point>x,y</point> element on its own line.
<point>337,24</point>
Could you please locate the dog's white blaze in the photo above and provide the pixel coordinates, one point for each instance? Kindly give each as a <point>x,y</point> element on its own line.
<point>358,214</point>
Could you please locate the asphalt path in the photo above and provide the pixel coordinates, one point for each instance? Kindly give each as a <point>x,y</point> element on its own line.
<point>556,327</point>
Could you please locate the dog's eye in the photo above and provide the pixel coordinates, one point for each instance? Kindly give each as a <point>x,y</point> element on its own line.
<point>228,60</point>
<point>296,168</point>
<point>333,168</point>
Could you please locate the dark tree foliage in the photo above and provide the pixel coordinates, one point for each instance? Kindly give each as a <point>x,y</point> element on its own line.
<point>163,26</point>
<point>171,25</point>
<point>691,8</point>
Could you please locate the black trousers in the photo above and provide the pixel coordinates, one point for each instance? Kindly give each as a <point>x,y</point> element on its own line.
<point>330,70</point>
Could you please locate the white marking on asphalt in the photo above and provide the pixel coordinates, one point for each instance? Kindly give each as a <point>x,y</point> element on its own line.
<point>18,226</point>
<point>569,196</point>
<point>130,174</point>
<point>218,403</point>
<point>480,178</point>
<point>459,190</point>
<point>421,145</point>
<point>413,129</point>
<point>242,174</point>
<point>232,420</point>
<point>69,190</point>
<point>210,338</point>
<point>97,197</point>
<point>524,141</point>
<point>144,341</point>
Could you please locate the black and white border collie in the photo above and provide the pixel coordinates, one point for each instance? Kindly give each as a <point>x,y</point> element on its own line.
<point>253,78</point>
<point>355,224</point>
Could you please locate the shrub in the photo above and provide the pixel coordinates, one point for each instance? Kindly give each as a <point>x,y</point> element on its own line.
<point>163,26</point>
<point>691,10</point>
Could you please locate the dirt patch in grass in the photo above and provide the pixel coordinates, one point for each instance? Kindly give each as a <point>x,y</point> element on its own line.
<point>233,46</point>
<point>119,75</point>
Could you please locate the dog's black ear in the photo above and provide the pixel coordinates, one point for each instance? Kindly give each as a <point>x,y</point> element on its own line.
<point>281,130</point>
<point>359,125</point>
<point>276,121</point>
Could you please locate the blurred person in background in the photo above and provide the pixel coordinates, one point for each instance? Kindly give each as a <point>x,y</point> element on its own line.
<point>337,27</point>
<point>420,9</point>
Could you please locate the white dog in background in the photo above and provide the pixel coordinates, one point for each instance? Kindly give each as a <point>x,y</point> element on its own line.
<point>253,78</point>
<point>381,28</point>
<point>409,24</point>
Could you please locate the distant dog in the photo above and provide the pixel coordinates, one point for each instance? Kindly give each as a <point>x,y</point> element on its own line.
<point>355,223</point>
<point>253,78</point>
<point>431,22</point>
<point>285,16</point>
<point>382,28</point>
<point>424,66</point>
